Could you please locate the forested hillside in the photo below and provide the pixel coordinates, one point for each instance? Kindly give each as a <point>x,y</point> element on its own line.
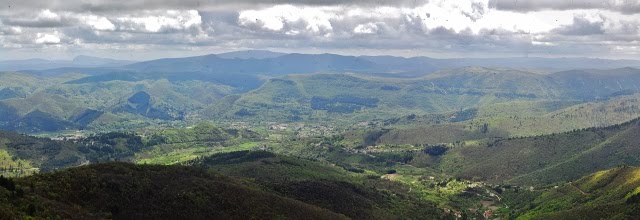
<point>127,191</point>
<point>609,194</point>
<point>547,159</point>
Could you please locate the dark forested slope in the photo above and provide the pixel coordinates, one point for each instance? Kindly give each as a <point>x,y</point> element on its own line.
<point>127,191</point>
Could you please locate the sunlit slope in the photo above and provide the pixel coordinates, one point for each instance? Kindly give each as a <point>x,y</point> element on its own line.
<point>608,194</point>
<point>509,119</point>
<point>313,96</point>
<point>359,95</point>
<point>547,159</point>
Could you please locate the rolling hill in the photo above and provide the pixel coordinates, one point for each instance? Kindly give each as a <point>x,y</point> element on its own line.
<point>78,61</point>
<point>330,187</point>
<point>375,182</point>
<point>274,87</point>
<point>127,191</point>
<point>503,120</point>
<point>278,65</point>
<point>250,54</point>
<point>275,63</point>
<point>607,194</point>
<point>598,84</point>
<point>323,96</point>
<point>45,154</point>
<point>66,102</point>
<point>547,159</point>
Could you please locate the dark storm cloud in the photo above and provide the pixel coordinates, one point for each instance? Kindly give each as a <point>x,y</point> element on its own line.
<point>624,6</point>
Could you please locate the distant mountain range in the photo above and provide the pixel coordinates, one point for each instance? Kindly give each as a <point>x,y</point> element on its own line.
<point>42,64</point>
<point>250,54</point>
<point>152,90</point>
<point>274,63</point>
<point>249,85</point>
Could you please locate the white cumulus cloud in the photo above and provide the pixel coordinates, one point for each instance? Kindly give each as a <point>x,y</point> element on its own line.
<point>98,23</point>
<point>47,38</point>
<point>158,21</point>
<point>455,28</point>
<point>368,28</point>
<point>290,19</point>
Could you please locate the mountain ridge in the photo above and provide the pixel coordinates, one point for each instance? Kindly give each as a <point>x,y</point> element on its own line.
<point>256,60</point>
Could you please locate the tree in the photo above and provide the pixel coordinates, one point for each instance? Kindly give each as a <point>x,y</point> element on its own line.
<point>31,209</point>
<point>485,128</point>
<point>7,183</point>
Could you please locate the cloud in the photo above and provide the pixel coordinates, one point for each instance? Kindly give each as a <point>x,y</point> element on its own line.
<point>582,25</point>
<point>289,19</point>
<point>47,38</point>
<point>455,15</point>
<point>98,22</point>
<point>368,28</point>
<point>159,21</point>
<point>453,28</point>
<point>624,6</point>
<point>45,18</point>
<point>144,21</point>
<point>10,30</point>
<point>320,21</point>
<point>137,5</point>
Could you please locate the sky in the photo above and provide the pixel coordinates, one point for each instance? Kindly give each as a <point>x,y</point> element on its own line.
<point>150,29</point>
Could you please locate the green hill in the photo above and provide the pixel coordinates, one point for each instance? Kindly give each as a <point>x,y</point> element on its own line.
<point>508,119</point>
<point>169,100</point>
<point>158,146</point>
<point>598,84</point>
<point>547,159</point>
<point>127,191</point>
<point>319,97</point>
<point>36,153</point>
<point>507,83</point>
<point>187,96</point>
<point>361,97</point>
<point>355,195</point>
<point>608,194</point>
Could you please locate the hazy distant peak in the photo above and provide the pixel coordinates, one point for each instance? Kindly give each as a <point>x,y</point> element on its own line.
<point>85,57</point>
<point>480,70</point>
<point>601,72</point>
<point>628,69</point>
<point>250,54</point>
<point>91,60</point>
